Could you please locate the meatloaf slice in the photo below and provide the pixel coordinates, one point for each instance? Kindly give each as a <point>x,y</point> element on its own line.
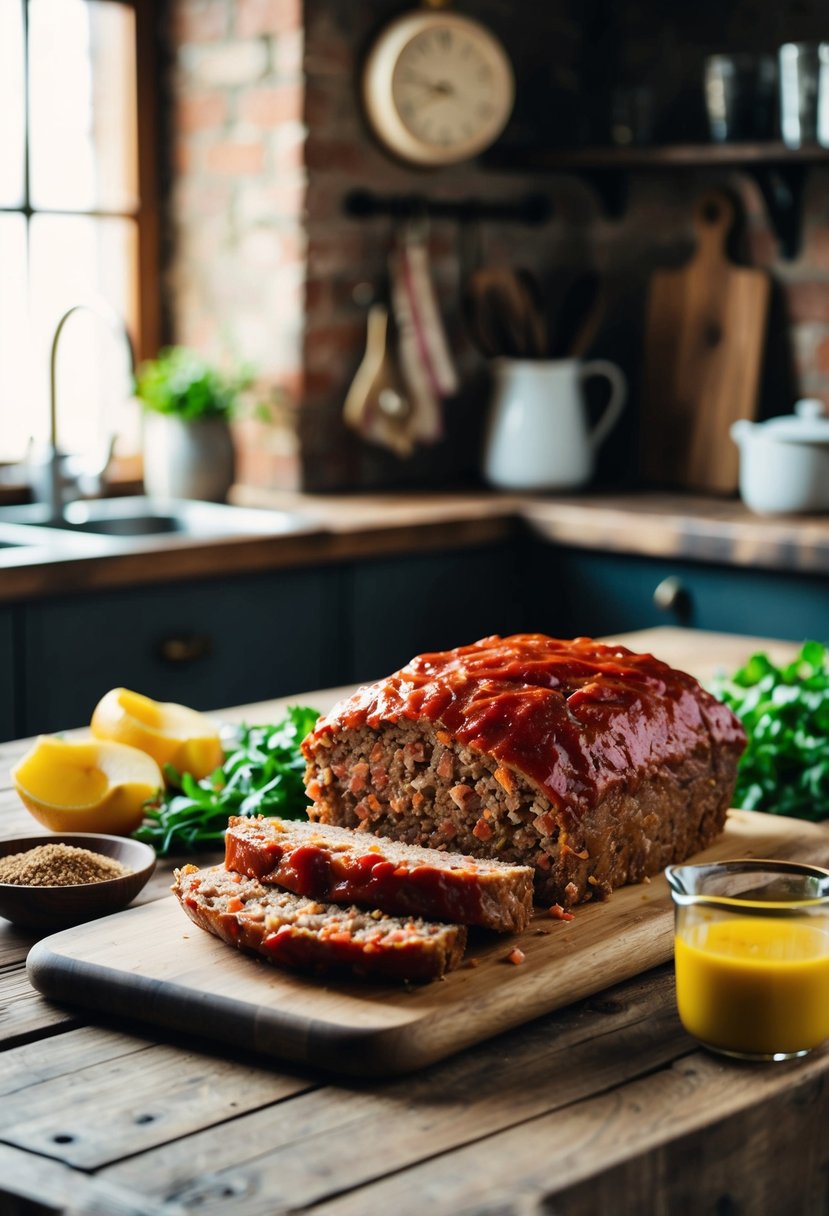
<point>300,933</point>
<point>343,866</point>
<point>594,765</point>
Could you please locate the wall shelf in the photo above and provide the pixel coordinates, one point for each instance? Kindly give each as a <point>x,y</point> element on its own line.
<point>778,171</point>
<point>668,155</point>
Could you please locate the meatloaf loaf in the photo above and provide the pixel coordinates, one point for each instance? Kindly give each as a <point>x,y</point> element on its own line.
<point>300,933</point>
<point>337,864</point>
<point>594,765</point>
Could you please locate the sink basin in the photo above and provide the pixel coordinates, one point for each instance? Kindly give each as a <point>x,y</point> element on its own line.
<point>131,525</point>
<point>133,518</point>
<point>16,536</point>
<point>23,544</point>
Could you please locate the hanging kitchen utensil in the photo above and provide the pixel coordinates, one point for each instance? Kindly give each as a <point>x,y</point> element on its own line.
<point>425,421</point>
<point>376,405</point>
<point>704,332</point>
<point>426,313</point>
<point>426,365</point>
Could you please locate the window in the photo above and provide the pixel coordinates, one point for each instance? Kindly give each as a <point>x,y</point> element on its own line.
<point>77,216</point>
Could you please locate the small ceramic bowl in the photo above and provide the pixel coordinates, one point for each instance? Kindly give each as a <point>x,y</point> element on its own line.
<point>53,908</point>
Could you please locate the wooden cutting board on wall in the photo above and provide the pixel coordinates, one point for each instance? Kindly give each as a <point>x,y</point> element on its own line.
<point>705,328</point>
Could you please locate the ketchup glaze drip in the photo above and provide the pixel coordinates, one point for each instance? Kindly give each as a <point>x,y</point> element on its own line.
<point>574,717</point>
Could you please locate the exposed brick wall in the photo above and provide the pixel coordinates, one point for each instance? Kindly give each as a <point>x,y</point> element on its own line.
<point>345,253</point>
<point>235,279</point>
<point>267,123</point>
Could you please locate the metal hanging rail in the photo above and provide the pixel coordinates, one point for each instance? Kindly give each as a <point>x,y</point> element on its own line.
<point>531,209</point>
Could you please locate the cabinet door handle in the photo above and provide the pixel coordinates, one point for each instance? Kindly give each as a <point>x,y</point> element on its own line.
<point>671,595</point>
<point>185,648</point>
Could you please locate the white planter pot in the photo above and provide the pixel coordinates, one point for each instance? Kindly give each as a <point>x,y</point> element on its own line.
<point>187,459</point>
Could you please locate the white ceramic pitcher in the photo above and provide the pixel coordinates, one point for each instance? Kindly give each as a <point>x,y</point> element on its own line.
<point>538,435</point>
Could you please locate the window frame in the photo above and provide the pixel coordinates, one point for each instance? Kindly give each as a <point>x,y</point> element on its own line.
<point>146,216</point>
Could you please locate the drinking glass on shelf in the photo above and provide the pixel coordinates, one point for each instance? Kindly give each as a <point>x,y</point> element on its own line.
<point>804,93</point>
<point>739,96</point>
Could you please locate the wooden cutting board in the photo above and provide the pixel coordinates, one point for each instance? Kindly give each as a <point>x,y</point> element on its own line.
<point>152,963</point>
<point>705,329</point>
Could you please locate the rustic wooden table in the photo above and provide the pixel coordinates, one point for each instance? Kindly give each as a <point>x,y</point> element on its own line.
<point>606,1105</point>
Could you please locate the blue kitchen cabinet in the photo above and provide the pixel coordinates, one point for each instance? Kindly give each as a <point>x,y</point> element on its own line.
<point>213,643</point>
<point>398,607</point>
<point>8,676</point>
<point>206,644</point>
<point>597,593</point>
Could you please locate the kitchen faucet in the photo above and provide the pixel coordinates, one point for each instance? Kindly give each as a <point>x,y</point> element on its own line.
<point>56,472</point>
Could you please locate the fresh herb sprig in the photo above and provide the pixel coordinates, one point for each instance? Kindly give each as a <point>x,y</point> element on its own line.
<point>785,711</point>
<point>262,774</point>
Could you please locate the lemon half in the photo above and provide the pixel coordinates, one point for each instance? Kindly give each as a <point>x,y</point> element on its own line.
<point>170,733</point>
<point>86,785</point>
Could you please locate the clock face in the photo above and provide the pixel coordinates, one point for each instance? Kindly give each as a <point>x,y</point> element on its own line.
<point>447,87</point>
<point>438,88</point>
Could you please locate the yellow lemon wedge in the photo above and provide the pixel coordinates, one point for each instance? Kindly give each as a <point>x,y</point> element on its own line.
<point>87,785</point>
<point>171,734</point>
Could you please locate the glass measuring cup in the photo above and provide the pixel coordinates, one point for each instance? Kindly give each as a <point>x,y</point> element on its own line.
<point>751,953</point>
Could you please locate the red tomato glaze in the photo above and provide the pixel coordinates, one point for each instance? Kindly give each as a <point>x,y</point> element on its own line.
<point>339,876</point>
<point>573,716</point>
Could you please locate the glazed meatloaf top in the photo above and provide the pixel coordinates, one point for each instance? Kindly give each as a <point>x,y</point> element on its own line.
<point>575,717</point>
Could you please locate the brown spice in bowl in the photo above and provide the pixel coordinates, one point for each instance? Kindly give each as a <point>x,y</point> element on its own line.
<point>59,865</point>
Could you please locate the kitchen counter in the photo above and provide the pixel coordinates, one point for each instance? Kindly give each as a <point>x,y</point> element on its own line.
<point>646,523</point>
<point>606,1105</point>
<point>328,530</point>
<point>348,527</point>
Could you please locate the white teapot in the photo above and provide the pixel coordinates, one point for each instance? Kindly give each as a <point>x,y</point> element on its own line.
<point>784,462</point>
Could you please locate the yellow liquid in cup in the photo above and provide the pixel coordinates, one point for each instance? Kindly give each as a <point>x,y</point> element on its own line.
<point>754,985</point>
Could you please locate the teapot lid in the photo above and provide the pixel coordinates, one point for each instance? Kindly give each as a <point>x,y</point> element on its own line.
<point>808,424</point>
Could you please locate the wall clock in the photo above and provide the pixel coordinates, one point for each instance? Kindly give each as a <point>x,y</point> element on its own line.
<point>437,87</point>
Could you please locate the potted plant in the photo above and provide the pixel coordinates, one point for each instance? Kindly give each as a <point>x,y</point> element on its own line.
<point>188,404</point>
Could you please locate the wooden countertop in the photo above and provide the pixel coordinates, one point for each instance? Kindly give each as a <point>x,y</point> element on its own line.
<point>648,523</point>
<point>349,527</point>
<point>606,1105</point>
<point>329,531</point>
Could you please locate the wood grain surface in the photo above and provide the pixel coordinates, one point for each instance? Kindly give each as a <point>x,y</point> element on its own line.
<point>151,962</point>
<point>604,1105</point>
<point>701,528</point>
<point>704,333</point>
